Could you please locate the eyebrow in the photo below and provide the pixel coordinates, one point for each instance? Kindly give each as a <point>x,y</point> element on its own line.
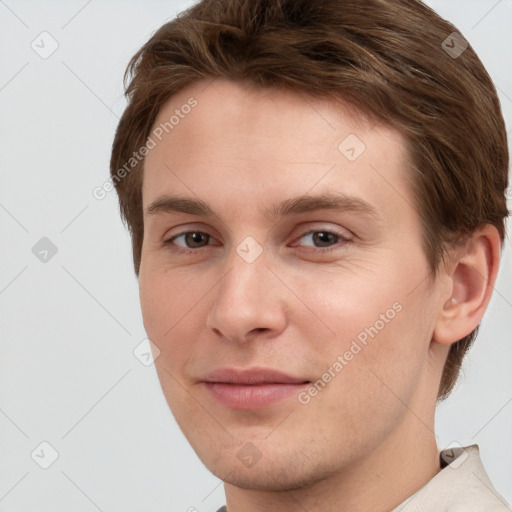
<point>295,205</point>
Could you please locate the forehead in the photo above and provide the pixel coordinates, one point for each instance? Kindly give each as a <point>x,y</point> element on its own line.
<point>228,110</point>
<point>241,146</point>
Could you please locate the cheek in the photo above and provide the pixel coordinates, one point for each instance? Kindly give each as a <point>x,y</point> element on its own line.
<point>166,300</point>
<point>349,305</point>
<point>373,379</point>
<point>375,323</point>
<point>164,313</point>
<point>154,302</point>
<point>173,315</point>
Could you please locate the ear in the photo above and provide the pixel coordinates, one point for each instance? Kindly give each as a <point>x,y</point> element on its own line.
<point>471,277</point>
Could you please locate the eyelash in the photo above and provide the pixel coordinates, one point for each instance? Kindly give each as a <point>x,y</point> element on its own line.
<point>342,240</point>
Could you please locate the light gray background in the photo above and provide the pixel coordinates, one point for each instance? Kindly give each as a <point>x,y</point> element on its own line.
<point>68,375</point>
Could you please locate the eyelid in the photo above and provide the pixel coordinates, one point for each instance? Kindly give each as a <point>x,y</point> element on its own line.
<point>344,239</point>
<point>188,228</point>
<point>168,241</point>
<point>317,226</point>
<point>319,250</point>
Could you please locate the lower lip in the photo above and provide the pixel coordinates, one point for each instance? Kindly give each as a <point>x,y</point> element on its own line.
<point>238,396</point>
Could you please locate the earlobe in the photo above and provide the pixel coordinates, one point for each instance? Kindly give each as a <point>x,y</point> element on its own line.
<point>472,281</point>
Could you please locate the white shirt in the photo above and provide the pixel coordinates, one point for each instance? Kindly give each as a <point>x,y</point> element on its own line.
<point>462,485</point>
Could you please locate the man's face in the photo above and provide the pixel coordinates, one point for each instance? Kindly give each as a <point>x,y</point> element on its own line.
<point>337,299</point>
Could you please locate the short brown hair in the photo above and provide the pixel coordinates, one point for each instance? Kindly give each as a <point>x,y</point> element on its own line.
<point>388,58</point>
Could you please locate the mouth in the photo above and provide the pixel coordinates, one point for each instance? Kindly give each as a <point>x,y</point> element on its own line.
<point>253,388</point>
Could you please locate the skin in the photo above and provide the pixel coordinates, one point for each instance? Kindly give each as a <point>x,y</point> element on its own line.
<point>366,441</point>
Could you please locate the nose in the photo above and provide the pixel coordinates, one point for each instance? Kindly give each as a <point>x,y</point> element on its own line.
<point>249,300</point>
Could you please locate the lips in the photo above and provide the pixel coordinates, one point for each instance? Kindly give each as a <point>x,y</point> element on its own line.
<point>252,376</point>
<point>253,388</point>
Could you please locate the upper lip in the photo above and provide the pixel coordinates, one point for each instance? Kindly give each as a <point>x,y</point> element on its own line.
<point>248,376</point>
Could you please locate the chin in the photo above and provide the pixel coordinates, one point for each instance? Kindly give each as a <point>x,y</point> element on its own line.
<point>262,478</point>
<point>264,469</point>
